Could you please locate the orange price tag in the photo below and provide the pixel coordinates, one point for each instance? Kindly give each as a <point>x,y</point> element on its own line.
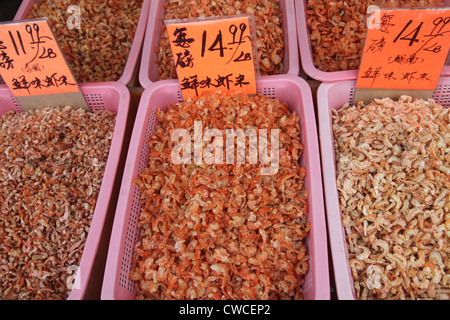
<point>213,54</point>
<point>31,62</point>
<point>405,49</point>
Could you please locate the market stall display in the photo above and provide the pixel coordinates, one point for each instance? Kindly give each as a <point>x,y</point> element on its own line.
<point>105,46</point>
<point>385,171</point>
<point>225,230</point>
<point>58,169</point>
<point>332,34</point>
<point>215,227</point>
<point>275,34</point>
<point>128,219</point>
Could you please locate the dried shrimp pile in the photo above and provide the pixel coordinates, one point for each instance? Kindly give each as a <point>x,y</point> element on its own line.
<point>52,164</point>
<point>393,177</point>
<point>269,30</point>
<point>338,30</point>
<point>98,50</point>
<point>222,231</point>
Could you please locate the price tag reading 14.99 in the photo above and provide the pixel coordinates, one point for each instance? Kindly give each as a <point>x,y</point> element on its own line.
<point>213,55</point>
<point>405,49</point>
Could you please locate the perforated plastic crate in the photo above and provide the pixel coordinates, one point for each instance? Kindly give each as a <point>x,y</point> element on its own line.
<point>136,46</point>
<point>332,96</point>
<point>306,53</point>
<point>290,89</point>
<point>110,96</point>
<point>148,72</point>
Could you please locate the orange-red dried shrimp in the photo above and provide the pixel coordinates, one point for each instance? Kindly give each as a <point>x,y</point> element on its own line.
<point>222,231</point>
<point>393,177</point>
<point>338,30</point>
<point>52,164</point>
<point>269,30</point>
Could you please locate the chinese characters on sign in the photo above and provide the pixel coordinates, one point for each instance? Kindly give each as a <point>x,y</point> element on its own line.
<point>406,50</point>
<point>31,62</point>
<point>50,81</point>
<point>214,54</point>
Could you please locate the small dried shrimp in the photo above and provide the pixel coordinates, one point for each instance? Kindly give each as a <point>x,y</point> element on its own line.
<point>393,178</point>
<point>222,231</point>
<point>52,164</point>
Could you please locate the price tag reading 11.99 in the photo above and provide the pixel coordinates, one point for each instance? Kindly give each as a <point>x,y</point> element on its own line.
<point>31,62</point>
<point>34,68</point>
<point>213,55</point>
<point>405,49</point>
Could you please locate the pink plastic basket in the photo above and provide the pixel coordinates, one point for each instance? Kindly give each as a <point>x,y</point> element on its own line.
<point>148,72</point>
<point>136,46</point>
<point>110,96</point>
<point>286,88</point>
<point>306,53</point>
<point>333,96</point>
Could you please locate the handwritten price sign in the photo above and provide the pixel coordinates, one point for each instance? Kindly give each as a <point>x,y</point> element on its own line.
<point>407,49</point>
<point>32,65</point>
<point>213,54</point>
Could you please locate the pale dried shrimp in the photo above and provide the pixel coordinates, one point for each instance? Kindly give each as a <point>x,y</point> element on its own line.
<point>393,178</point>
<point>222,231</point>
<point>269,30</point>
<point>338,30</point>
<point>52,164</point>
